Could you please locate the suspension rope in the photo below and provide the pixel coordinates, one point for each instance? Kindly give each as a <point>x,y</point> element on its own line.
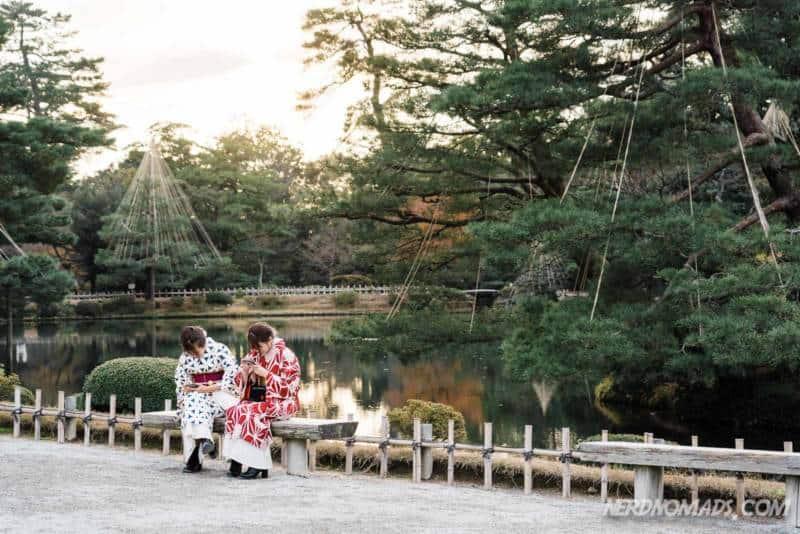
<point>619,188</point>
<point>415,265</point>
<point>762,218</point>
<point>11,242</point>
<point>475,299</point>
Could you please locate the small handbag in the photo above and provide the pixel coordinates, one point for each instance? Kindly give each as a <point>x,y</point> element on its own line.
<point>257,393</point>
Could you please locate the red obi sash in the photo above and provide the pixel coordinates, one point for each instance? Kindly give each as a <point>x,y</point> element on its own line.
<point>202,378</point>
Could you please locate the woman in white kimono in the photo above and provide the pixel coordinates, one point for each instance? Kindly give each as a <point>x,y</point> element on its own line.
<point>206,370</point>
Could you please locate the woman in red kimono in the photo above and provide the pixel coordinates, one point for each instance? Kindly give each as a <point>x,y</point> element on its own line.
<point>268,381</point>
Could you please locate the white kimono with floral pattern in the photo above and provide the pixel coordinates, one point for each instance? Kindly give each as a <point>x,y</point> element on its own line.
<point>198,410</point>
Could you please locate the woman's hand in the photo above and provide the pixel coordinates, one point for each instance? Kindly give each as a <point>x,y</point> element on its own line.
<point>260,371</point>
<point>203,388</point>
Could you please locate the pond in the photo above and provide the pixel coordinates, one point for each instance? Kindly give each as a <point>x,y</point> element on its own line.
<point>336,383</point>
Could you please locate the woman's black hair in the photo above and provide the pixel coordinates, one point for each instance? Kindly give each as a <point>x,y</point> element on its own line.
<point>192,337</point>
<point>259,333</point>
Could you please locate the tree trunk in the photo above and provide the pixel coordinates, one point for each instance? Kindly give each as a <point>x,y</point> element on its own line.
<point>10,332</point>
<point>749,120</point>
<point>151,284</point>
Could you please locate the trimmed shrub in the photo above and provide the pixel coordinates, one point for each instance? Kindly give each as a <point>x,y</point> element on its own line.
<point>347,299</point>
<point>152,379</point>
<point>7,383</point>
<point>218,298</point>
<point>123,305</point>
<point>176,302</point>
<point>87,308</point>
<point>271,301</point>
<point>434,413</point>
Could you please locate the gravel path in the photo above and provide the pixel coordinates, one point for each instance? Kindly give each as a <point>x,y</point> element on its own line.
<point>45,487</point>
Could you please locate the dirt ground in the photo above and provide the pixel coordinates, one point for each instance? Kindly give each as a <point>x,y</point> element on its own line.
<point>46,487</point>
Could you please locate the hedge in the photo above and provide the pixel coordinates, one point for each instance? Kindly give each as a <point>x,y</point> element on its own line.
<point>346,299</point>
<point>428,412</point>
<point>219,298</point>
<point>7,383</point>
<point>152,379</point>
<point>88,308</point>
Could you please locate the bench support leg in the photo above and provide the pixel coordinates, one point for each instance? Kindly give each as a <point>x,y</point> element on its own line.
<point>791,513</point>
<point>648,483</point>
<point>296,457</point>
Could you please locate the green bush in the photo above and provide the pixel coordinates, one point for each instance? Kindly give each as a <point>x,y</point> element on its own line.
<point>351,279</point>
<point>271,301</point>
<point>152,379</point>
<point>7,383</point>
<point>218,298</point>
<point>87,308</point>
<point>176,302</point>
<point>420,298</point>
<point>125,304</point>
<point>632,438</point>
<point>436,414</point>
<point>347,299</point>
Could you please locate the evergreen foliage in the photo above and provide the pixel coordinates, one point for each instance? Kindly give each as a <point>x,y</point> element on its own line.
<point>152,379</point>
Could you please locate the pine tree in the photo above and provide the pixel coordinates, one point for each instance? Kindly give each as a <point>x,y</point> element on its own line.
<point>483,108</point>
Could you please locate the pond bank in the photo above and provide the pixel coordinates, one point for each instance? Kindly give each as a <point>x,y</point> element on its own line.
<point>240,308</point>
<point>70,488</point>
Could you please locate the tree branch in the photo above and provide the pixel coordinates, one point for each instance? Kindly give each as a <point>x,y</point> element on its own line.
<point>750,141</point>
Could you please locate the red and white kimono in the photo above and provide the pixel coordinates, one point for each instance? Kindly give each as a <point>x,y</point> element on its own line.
<point>247,424</point>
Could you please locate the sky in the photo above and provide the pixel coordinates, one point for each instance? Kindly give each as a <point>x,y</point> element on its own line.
<point>215,66</point>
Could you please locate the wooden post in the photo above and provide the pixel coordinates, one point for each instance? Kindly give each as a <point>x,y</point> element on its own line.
<point>87,420</point>
<point>112,415</point>
<point>528,467</point>
<point>566,482</point>
<point>739,484</point>
<point>791,513</point>
<point>71,423</point>
<point>60,417</point>
<point>166,434</point>
<point>648,483</point>
<point>604,472</point>
<point>384,449</point>
<point>348,455</point>
<point>694,485</point>
<point>137,429</point>
<point>427,452</point>
<point>487,455</point>
<point>17,410</point>
<point>416,457</point>
<point>451,452</point>
<point>37,418</point>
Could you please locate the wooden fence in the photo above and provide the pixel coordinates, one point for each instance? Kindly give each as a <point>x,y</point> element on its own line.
<point>243,291</point>
<point>421,444</point>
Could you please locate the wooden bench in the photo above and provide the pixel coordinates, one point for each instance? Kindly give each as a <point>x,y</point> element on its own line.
<point>649,461</point>
<point>295,432</point>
